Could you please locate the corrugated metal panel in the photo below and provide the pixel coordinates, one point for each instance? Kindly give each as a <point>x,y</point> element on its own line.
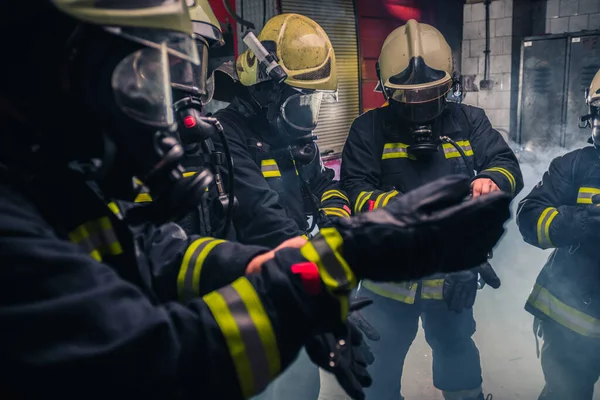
<point>337,17</point>
<point>253,11</point>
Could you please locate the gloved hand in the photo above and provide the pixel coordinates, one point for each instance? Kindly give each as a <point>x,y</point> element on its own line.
<point>460,288</point>
<point>345,355</point>
<point>425,230</point>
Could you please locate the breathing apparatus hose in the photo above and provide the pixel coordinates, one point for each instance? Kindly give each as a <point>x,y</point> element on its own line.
<point>230,172</point>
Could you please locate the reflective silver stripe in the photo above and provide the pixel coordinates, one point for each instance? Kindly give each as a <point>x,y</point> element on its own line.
<point>543,227</point>
<point>269,168</point>
<point>544,301</point>
<point>432,289</point>
<point>404,292</point>
<point>394,150</point>
<point>255,352</point>
<point>585,195</point>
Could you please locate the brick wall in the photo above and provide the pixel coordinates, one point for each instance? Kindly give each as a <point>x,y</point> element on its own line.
<point>496,102</point>
<point>572,15</point>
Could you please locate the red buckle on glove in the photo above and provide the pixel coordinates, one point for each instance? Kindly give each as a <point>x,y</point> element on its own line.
<point>309,273</point>
<point>371,204</point>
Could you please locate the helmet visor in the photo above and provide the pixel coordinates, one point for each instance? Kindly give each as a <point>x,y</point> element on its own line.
<point>188,77</point>
<point>421,93</point>
<point>301,111</point>
<point>142,89</point>
<point>148,22</point>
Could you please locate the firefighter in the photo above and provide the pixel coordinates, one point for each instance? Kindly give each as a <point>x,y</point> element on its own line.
<point>562,213</point>
<point>394,149</point>
<point>91,312</point>
<point>269,125</point>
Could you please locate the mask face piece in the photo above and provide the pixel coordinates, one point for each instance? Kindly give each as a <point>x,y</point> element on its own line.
<point>424,144</point>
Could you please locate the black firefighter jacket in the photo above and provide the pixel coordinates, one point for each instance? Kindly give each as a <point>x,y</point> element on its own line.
<point>556,215</point>
<point>376,167</point>
<point>89,311</point>
<point>274,193</point>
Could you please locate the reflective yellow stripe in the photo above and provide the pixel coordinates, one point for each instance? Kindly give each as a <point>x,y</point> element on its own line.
<point>305,237</point>
<point>507,175</point>
<point>325,251</point>
<point>249,334</point>
<point>188,174</point>
<point>404,292</point>
<point>337,212</point>
<point>394,150</point>
<point>269,168</point>
<point>97,238</point>
<point>143,198</point>
<point>432,289</point>
<point>188,279</point>
<point>334,193</point>
<point>361,200</point>
<point>585,195</point>
<point>115,209</point>
<point>543,227</point>
<point>577,321</point>
<point>451,152</point>
<point>384,198</point>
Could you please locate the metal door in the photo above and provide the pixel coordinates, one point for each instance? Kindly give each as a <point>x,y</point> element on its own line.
<point>542,87</point>
<point>583,64</point>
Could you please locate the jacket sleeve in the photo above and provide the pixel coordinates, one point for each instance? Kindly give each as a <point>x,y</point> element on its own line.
<point>494,159</point>
<point>548,216</point>
<point>260,219</point>
<point>361,169</point>
<point>184,268</point>
<point>74,319</point>
<point>332,201</point>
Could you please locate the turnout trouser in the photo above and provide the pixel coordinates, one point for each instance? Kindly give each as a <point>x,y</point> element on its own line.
<point>570,361</point>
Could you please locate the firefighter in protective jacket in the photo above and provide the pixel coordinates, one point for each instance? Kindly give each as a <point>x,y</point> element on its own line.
<point>394,149</point>
<point>279,175</point>
<point>562,212</point>
<point>91,305</point>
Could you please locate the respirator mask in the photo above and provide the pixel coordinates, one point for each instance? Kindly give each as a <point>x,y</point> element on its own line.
<point>130,90</point>
<point>592,119</point>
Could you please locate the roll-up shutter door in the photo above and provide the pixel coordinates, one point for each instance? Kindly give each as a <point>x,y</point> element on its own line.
<point>337,17</point>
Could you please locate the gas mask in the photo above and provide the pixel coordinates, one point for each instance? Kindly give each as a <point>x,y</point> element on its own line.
<point>419,118</point>
<point>130,89</point>
<point>592,119</point>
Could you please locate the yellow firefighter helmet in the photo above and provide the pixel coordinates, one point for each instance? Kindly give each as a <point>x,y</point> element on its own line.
<point>204,22</point>
<point>594,92</point>
<point>415,64</point>
<point>304,52</point>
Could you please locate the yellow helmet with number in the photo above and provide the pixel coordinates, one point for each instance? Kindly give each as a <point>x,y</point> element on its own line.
<point>303,50</point>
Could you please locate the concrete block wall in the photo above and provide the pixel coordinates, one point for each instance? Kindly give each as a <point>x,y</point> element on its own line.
<point>495,102</point>
<point>572,15</point>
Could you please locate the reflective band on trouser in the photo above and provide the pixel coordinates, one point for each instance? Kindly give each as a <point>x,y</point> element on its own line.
<point>585,195</point>
<point>335,212</point>
<point>324,250</point>
<point>384,198</point>
<point>508,175</point>
<point>248,333</point>
<point>188,279</point>
<point>97,238</point>
<point>394,150</point>
<point>361,200</point>
<point>404,292</point>
<point>432,289</point>
<point>577,321</point>
<point>463,394</point>
<point>269,168</point>
<point>334,193</point>
<point>451,152</point>
<point>543,227</point>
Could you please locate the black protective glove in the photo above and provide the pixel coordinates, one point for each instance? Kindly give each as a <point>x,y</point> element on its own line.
<point>460,288</point>
<point>427,229</point>
<point>345,355</point>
